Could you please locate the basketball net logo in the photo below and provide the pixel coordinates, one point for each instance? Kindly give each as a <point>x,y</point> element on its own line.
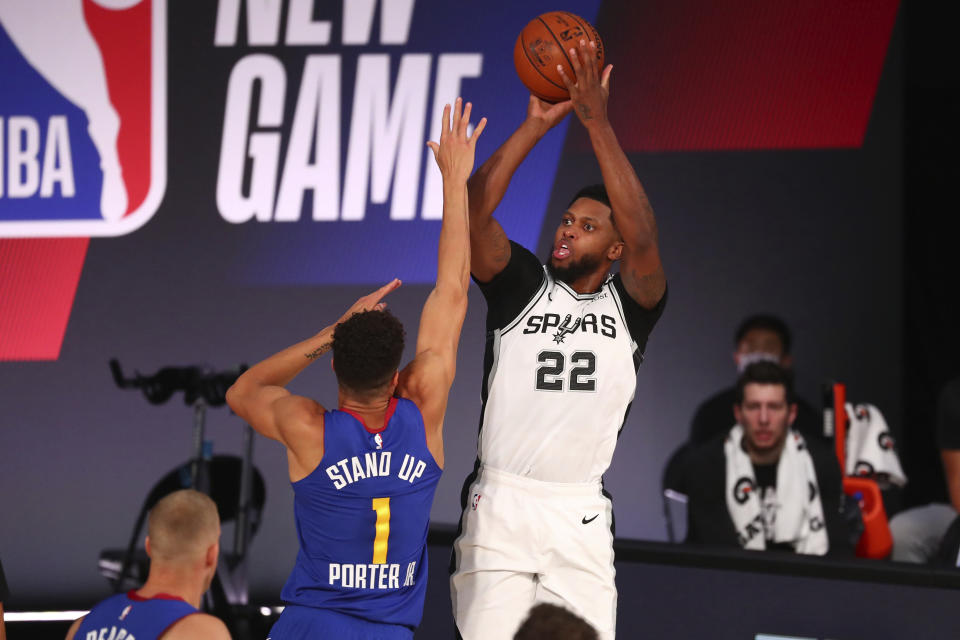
<point>83,135</point>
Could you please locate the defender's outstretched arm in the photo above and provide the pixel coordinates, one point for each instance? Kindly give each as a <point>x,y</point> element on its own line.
<point>427,379</point>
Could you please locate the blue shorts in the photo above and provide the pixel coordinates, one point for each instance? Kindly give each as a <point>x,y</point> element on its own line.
<point>306,622</point>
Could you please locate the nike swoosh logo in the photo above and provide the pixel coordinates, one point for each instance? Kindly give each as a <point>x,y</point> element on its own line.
<point>585,521</point>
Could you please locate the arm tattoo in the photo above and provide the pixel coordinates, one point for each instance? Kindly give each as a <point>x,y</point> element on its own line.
<point>501,249</point>
<point>584,112</point>
<point>647,289</point>
<point>319,351</point>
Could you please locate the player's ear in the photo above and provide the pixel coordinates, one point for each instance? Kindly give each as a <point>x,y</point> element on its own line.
<point>615,251</point>
<point>738,414</point>
<point>146,546</point>
<point>213,553</point>
<point>396,378</point>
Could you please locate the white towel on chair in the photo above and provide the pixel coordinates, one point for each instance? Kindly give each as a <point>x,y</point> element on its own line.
<point>870,446</point>
<point>799,515</point>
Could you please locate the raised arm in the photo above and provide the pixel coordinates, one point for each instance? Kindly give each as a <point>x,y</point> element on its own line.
<point>640,266</point>
<point>260,396</point>
<point>427,379</point>
<point>489,244</point>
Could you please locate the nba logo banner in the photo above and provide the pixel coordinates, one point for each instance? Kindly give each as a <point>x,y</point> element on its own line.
<point>82,150</point>
<point>82,116</point>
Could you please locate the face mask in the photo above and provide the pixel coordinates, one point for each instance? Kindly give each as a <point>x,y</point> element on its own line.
<point>747,359</point>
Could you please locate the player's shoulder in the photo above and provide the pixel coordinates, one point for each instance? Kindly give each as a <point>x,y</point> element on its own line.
<point>196,626</point>
<point>72,631</point>
<point>522,271</point>
<point>300,408</point>
<point>616,282</point>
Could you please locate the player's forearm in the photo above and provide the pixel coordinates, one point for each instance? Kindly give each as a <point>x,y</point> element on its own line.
<point>453,252</point>
<point>489,183</point>
<point>280,368</point>
<point>632,212</point>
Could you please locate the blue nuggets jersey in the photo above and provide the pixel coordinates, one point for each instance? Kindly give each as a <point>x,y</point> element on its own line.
<point>362,518</point>
<point>130,617</point>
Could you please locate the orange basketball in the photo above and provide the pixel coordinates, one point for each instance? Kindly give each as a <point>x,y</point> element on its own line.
<point>543,44</point>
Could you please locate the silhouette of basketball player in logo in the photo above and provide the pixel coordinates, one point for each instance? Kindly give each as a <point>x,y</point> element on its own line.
<point>54,37</point>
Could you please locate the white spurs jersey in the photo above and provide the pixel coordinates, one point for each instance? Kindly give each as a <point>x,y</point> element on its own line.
<point>560,372</point>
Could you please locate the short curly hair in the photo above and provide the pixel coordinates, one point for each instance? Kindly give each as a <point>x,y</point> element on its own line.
<point>367,348</point>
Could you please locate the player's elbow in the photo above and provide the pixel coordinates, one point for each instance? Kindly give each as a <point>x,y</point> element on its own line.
<point>236,396</point>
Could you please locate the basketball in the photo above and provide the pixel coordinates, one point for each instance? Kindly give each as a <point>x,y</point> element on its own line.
<point>543,44</point>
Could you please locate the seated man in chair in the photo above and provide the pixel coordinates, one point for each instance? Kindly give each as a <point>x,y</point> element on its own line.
<point>183,542</point>
<point>761,485</point>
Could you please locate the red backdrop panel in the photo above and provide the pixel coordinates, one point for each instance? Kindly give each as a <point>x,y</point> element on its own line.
<point>700,75</point>
<point>38,280</point>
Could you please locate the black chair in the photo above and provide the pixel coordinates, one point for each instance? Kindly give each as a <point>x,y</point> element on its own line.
<point>674,488</point>
<point>128,568</point>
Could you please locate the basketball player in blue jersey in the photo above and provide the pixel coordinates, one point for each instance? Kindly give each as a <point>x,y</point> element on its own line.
<point>183,542</point>
<point>364,474</point>
<point>564,344</point>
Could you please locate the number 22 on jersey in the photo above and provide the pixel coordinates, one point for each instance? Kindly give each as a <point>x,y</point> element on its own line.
<point>550,375</point>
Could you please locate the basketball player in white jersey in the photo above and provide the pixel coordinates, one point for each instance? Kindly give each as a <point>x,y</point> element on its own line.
<point>564,342</point>
<point>54,38</point>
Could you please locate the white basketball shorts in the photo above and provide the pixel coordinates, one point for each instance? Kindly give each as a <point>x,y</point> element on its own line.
<point>526,541</point>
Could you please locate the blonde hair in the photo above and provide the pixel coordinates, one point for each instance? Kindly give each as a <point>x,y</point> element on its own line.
<point>182,526</point>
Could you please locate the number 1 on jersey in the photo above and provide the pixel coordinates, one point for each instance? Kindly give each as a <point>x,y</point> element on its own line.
<point>382,507</point>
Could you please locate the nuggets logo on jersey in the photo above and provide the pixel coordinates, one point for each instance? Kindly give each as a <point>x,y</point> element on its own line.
<point>83,133</point>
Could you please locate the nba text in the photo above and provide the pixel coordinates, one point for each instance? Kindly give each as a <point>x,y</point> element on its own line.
<point>385,156</point>
<point>25,167</point>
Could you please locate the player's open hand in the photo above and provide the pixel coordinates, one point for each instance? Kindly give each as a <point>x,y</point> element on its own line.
<point>372,301</point>
<point>456,150</point>
<point>590,91</point>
